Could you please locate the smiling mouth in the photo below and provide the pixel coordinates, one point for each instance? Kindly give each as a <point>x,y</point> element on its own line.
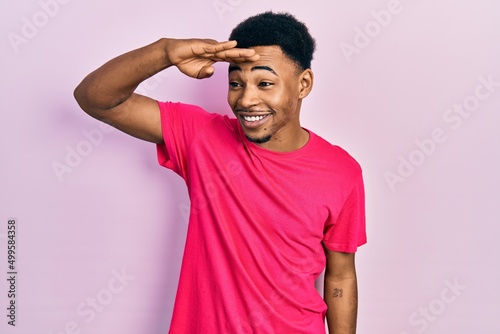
<point>254,118</point>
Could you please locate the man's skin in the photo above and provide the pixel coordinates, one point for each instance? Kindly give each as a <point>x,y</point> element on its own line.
<point>262,82</point>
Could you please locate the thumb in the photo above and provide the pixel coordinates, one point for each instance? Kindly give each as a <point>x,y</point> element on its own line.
<point>206,72</point>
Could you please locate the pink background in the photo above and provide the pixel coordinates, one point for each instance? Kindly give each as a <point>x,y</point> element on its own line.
<point>385,90</point>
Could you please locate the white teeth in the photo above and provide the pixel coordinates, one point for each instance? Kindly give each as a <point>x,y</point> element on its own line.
<point>253,118</point>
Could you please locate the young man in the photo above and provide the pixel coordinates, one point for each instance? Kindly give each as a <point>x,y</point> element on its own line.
<point>271,202</point>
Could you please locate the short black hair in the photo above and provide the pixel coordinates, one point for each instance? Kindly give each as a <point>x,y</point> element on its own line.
<point>280,29</point>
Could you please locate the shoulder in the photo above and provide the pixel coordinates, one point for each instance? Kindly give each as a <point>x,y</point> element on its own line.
<point>334,155</point>
<point>186,113</point>
<point>178,107</point>
<point>196,118</point>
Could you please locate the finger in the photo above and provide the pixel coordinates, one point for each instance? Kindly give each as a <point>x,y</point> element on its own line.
<point>240,60</point>
<point>238,55</point>
<point>206,72</point>
<point>210,41</point>
<point>219,46</point>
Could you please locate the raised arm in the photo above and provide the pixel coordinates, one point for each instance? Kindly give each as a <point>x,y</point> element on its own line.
<point>341,293</point>
<point>108,94</point>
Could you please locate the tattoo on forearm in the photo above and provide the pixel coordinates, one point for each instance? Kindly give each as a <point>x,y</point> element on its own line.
<point>337,293</point>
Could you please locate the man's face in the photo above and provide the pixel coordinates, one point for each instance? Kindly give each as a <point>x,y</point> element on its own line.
<point>265,96</point>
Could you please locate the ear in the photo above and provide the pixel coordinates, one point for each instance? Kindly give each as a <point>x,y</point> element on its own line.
<point>306,83</point>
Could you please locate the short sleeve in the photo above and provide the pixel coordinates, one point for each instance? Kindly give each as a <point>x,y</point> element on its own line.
<point>180,124</point>
<point>347,231</point>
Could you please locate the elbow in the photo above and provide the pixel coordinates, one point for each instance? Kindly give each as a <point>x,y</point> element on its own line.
<point>86,100</point>
<point>94,100</point>
<point>78,93</point>
<point>81,96</point>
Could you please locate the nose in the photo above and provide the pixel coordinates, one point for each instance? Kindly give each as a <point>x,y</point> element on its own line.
<point>249,97</point>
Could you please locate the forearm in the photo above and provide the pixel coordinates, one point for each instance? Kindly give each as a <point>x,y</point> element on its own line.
<point>115,81</point>
<point>341,296</point>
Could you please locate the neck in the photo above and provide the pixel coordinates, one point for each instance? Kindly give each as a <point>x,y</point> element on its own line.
<point>293,141</point>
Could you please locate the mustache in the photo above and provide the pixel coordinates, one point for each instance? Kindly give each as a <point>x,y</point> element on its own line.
<point>250,111</point>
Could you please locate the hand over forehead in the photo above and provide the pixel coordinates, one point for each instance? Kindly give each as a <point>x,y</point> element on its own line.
<point>228,52</point>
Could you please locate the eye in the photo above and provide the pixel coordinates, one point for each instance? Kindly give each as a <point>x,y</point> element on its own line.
<point>234,84</point>
<point>265,84</point>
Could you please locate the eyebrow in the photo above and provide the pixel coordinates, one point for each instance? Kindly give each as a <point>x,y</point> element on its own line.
<point>261,67</point>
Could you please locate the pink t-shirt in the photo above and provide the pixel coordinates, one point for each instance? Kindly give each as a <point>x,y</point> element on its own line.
<point>257,224</point>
